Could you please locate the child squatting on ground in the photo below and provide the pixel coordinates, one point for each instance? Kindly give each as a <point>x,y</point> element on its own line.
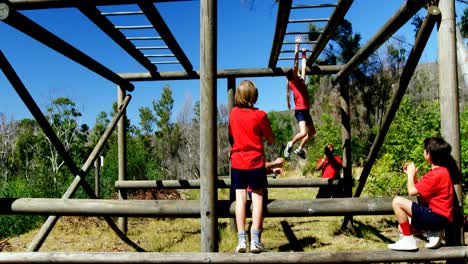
<point>435,192</point>
<point>330,165</point>
<point>301,101</point>
<point>247,128</point>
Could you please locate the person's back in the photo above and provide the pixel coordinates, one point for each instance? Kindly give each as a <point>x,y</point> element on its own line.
<point>331,168</point>
<point>247,128</point>
<point>246,124</point>
<point>436,192</point>
<point>300,93</point>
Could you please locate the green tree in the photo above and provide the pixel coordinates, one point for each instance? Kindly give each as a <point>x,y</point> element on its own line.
<point>464,23</point>
<point>413,122</point>
<point>147,120</point>
<point>163,110</point>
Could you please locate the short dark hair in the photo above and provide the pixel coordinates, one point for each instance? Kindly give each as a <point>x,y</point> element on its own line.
<point>328,151</point>
<point>439,151</point>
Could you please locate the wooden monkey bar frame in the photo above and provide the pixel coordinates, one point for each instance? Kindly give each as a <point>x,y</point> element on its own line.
<point>206,208</point>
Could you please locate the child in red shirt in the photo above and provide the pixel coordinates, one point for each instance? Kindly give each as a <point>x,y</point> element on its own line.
<point>248,126</point>
<point>436,197</point>
<point>296,84</point>
<point>330,166</point>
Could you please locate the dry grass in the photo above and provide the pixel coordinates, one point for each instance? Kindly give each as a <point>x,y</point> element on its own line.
<point>183,235</point>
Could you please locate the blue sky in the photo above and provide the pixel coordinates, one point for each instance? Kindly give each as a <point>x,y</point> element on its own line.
<point>245,36</point>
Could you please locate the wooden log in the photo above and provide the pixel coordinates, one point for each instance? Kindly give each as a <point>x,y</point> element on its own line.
<point>236,73</point>
<point>191,208</point>
<point>161,27</point>
<point>122,155</point>
<point>208,132</point>
<point>336,17</point>
<point>39,33</point>
<point>349,256</point>
<point>94,14</point>
<point>284,9</point>
<point>46,4</point>
<point>222,184</point>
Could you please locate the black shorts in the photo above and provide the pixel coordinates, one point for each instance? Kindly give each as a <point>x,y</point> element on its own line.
<point>303,115</point>
<point>424,219</point>
<point>255,178</point>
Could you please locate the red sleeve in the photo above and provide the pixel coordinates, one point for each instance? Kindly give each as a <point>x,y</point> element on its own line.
<point>339,161</point>
<point>265,125</point>
<point>426,185</point>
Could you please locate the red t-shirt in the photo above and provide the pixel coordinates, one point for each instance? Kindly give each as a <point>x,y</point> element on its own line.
<point>248,127</point>
<point>301,96</point>
<point>328,171</point>
<point>436,191</point>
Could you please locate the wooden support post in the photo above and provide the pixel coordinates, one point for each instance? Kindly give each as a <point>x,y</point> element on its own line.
<point>122,155</point>
<point>346,139</point>
<point>346,143</point>
<point>231,91</point>
<point>462,59</point>
<point>208,132</point>
<point>97,167</point>
<point>449,103</point>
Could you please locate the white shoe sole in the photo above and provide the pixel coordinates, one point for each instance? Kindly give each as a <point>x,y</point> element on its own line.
<point>392,247</point>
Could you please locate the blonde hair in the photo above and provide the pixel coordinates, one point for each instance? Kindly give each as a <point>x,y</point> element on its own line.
<point>246,94</point>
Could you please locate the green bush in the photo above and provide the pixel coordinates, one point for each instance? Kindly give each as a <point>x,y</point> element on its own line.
<point>11,225</point>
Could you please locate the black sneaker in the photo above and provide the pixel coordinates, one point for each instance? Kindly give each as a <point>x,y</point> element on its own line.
<point>301,153</point>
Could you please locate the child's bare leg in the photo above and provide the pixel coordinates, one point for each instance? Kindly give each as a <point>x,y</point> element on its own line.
<point>310,133</point>
<point>241,201</point>
<point>402,208</point>
<point>257,209</point>
<point>302,132</point>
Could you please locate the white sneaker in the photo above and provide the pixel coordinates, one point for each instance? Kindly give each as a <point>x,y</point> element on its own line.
<point>257,247</point>
<point>241,247</point>
<point>405,243</point>
<point>434,237</point>
<point>288,150</point>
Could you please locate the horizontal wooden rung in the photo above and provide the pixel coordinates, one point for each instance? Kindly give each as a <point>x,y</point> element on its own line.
<point>191,208</point>
<point>350,256</point>
<point>222,183</point>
